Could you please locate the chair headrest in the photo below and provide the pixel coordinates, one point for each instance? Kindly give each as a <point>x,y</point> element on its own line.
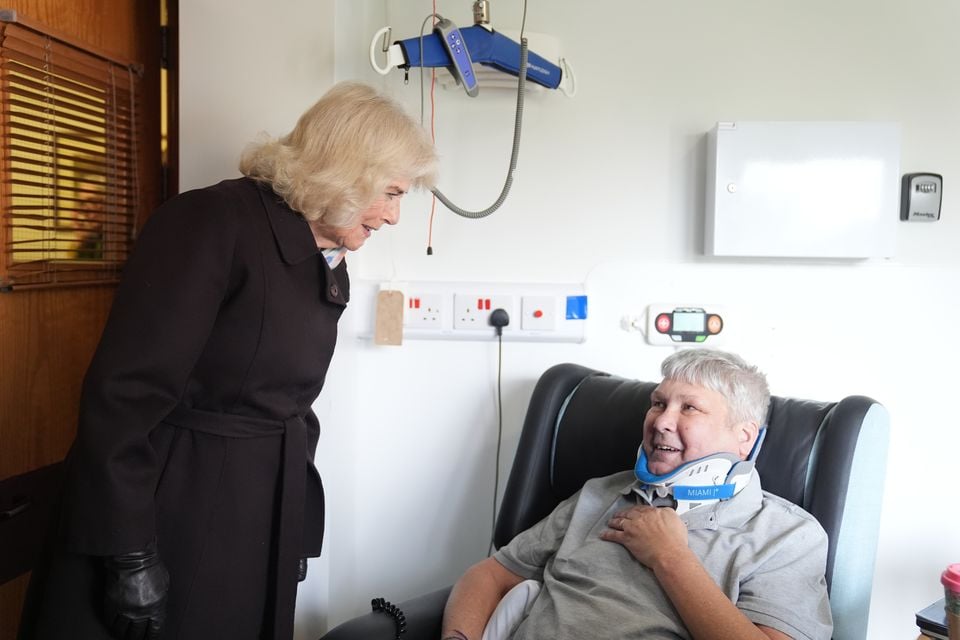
<point>601,427</point>
<point>599,431</point>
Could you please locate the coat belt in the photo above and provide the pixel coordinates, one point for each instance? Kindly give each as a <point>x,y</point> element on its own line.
<point>293,478</point>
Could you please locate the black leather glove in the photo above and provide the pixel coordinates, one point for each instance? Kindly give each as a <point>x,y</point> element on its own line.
<point>135,594</point>
<point>302,570</point>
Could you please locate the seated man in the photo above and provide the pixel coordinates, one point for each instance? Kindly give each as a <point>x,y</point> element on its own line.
<point>728,560</point>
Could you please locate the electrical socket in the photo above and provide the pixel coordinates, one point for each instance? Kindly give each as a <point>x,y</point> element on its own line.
<point>472,310</point>
<point>424,311</point>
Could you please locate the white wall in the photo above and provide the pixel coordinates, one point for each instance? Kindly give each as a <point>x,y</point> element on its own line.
<point>608,192</point>
<point>246,67</point>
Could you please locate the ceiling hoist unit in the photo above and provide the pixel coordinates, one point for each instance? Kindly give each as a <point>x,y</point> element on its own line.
<point>458,50</point>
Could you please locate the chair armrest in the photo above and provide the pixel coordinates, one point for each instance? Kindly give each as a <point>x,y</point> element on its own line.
<point>424,618</point>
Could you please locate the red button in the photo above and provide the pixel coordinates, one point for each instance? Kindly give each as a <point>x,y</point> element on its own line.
<point>538,314</point>
<point>714,324</point>
<point>663,322</point>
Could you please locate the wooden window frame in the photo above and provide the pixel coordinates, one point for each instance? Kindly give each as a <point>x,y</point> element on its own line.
<point>69,175</point>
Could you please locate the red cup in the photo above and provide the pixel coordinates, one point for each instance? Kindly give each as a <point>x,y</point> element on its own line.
<point>950,579</point>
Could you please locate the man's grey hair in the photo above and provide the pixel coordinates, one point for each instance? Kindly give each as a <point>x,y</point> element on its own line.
<point>743,385</point>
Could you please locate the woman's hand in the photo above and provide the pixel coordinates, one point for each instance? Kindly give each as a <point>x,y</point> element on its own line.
<point>135,595</point>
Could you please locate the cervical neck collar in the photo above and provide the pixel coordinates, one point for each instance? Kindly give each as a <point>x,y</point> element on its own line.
<point>700,482</point>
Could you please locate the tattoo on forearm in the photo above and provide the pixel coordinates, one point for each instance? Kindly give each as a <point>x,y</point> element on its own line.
<point>456,634</point>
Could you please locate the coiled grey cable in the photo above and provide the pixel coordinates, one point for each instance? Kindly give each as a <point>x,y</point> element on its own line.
<point>518,121</point>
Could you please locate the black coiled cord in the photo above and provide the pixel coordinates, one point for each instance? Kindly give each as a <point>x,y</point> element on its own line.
<point>399,620</point>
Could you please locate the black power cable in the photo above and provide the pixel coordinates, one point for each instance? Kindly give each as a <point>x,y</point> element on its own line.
<point>499,318</point>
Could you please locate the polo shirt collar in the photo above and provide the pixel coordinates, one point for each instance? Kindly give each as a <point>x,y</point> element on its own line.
<point>734,512</point>
<point>291,231</point>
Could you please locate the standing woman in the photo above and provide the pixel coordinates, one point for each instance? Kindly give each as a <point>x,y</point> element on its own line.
<point>191,500</point>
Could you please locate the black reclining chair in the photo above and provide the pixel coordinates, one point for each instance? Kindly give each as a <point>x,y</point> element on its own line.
<point>583,423</point>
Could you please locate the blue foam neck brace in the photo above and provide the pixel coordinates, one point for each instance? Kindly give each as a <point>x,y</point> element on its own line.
<point>644,475</point>
<point>699,492</point>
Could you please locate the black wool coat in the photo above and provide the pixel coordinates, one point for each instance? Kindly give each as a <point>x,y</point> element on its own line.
<point>195,426</point>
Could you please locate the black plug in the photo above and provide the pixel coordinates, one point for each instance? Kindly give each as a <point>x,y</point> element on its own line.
<point>499,319</point>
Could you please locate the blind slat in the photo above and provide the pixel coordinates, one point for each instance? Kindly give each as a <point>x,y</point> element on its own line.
<point>60,59</point>
<point>37,131</point>
<point>66,166</point>
<point>115,138</point>
<point>37,137</point>
<point>46,90</point>
<point>90,85</point>
<point>115,217</point>
<point>45,101</point>
<point>71,166</point>
<point>110,202</point>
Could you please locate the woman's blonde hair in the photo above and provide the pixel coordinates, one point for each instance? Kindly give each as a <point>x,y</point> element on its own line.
<point>342,155</point>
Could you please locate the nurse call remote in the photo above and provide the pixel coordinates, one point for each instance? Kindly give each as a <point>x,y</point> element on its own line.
<point>462,64</point>
<point>672,325</point>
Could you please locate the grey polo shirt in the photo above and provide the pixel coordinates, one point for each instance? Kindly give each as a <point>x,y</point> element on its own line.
<point>768,555</point>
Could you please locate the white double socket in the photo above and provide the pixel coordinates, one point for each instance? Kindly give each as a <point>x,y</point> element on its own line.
<point>471,311</point>
<point>424,311</point>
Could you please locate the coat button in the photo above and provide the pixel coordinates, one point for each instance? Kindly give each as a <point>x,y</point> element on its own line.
<point>334,291</point>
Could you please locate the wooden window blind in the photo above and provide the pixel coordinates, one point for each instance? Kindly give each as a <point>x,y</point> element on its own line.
<point>68,179</point>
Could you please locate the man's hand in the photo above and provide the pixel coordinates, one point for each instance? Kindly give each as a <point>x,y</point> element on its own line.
<point>135,595</point>
<point>657,538</point>
<point>650,534</point>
